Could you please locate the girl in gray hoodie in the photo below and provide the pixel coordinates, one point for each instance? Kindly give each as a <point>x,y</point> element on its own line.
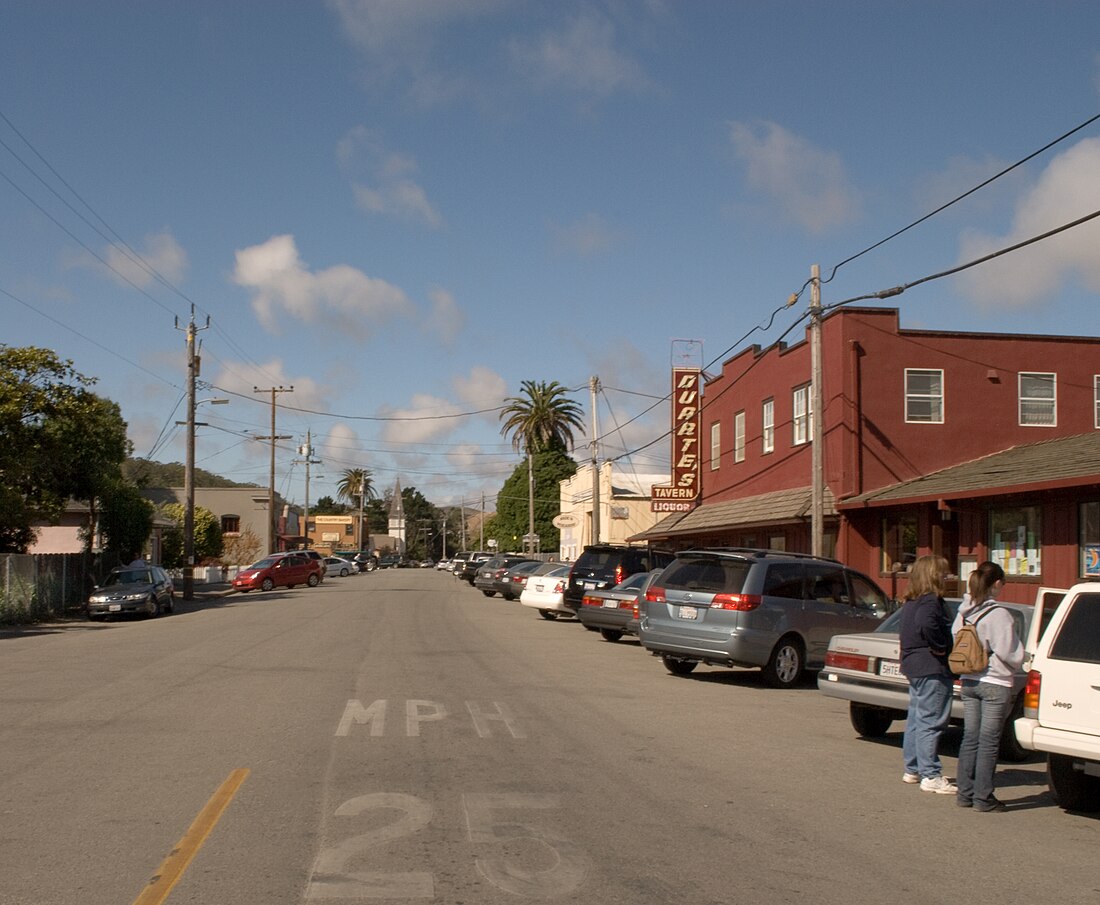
<point>987,696</point>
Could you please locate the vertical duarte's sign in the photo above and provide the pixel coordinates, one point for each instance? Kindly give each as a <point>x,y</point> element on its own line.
<point>683,493</point>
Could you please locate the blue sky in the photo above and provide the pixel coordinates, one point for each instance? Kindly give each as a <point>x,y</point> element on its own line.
<point>404,208</point>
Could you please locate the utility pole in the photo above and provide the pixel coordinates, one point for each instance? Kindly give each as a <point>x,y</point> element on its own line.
<point>359,527</point>
<point>462,522</point>
<point>193,367</point>
<point>307,452</point>
<point>529,544</point>
<point>481,546</point>
<point>594,388</point>
<point>272,532</point>
<point>817,419</point>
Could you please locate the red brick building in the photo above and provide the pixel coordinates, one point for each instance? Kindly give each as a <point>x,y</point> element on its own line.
<point>973,445</point>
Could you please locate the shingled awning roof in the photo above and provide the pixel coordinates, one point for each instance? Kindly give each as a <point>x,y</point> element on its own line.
<point>764,509</point>
<point>1049,465</point>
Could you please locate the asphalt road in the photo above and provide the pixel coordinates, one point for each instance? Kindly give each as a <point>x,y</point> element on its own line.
<point>408,740</point>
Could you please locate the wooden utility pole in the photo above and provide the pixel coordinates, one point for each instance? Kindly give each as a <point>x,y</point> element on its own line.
<point>594,388</point>
<point>272,531</point>
<point>817,419</point>
<point>193,367</point>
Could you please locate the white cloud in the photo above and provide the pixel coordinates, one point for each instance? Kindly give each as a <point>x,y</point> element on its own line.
<point>161,254</point>
<point>446,318</point>
<point>425,419</point>
<point>582,57</point>
<point>960,174</point>
<point>588,236</point>
<point>481,389</point>
<point>243,378</point>
<point>383,180</point>
<point>808,184</point>
<point>1069,188</point>
<point>282,286</point>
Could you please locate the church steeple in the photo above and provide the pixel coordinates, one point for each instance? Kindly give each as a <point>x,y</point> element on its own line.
<point>397,517</point>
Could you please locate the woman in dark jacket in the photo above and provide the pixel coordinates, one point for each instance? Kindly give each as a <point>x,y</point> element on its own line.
<point>925,640</point>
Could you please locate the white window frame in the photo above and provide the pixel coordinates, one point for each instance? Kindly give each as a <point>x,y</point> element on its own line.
<point>1096,399</point>
<point>739,437</point>
<point>767,417</point>
<point>802,416</point>
<point>913,397</point>
<point>1051,401</point>
<point>715,445</point>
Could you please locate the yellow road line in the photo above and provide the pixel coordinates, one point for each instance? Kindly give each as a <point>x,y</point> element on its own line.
<point>171,868</point>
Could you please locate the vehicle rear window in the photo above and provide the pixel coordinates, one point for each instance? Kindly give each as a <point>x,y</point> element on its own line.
<point>785,579</point>
<point>1079,637</point>
<point>714,576</point>
<point>596,559</point>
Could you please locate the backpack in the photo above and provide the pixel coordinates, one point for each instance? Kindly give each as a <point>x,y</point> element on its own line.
<point>968,654</point>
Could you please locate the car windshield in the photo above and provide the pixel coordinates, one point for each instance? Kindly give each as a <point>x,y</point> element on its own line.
<point>892,623</point>
<point>263,563</point>
<point>130,576</point>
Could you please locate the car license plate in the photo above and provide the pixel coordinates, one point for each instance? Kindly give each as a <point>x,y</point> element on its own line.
<point>611,604</point>
<point>114,608</point>
<point>589,585</point>
<point>688,612</point>
<point>889,668</point>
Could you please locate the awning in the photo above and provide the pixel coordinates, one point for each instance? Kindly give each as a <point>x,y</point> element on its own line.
<point>763,510</point>
<point>1048,465</point>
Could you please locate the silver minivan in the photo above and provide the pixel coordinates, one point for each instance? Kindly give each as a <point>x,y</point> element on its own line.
<point>748,607</point>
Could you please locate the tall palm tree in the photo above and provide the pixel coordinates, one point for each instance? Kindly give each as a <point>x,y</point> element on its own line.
<point>541,417</point>
<point>350,483</point>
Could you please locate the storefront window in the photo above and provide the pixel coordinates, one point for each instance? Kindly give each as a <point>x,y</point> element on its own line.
<point>1090,540</point>
<point>1014,542</point>
<point>899,542</point>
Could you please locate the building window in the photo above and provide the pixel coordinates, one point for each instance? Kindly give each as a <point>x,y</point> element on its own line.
<point>1096,400</point>
<point>715,444</point>
<point>231,524</point>
<point>923,396</point>
<point>1090,540</point>
<point>802,415</point>
<point>739,437</point>
<point>349,530</point>
<point>899,542</point>
<point>1014,542</point>
<point>1038,400</point>
<point>768,420</point>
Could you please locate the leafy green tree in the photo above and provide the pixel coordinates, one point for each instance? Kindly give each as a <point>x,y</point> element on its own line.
<point>541,417</point>
<point>550,467</point>
<point>208,536</point>
<point>125,519</point>
<point>327,506</point>
<point>61,442</point>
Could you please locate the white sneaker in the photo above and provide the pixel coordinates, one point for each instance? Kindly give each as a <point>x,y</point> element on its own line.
<point>910,778</point>
<point>941,785</point>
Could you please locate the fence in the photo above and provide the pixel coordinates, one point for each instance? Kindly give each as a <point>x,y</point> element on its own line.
<point>39,587</point>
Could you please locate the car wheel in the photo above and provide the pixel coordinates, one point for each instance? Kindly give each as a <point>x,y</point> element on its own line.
<point>784,667</point>
<point>548,615</point>
<point>313,580</point>
<point>343,573</point>
<point>267,584</point>
<point>679,667</point>
<point>611,634</point>
<point>1011,749</point>
<point>170,606</point>
<point>488,593</point>
<point>869,722</point>
<point>154,607</point>
<point>508,596</point>
<point>1073,789</point>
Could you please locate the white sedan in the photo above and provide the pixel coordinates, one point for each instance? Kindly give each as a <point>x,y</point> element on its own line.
<point>544,589</point>
<point>337,565</point>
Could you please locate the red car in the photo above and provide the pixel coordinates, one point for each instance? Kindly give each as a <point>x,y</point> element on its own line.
<point>279,569</point>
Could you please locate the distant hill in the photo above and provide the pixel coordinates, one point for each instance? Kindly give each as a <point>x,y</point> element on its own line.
<point>146,473</point>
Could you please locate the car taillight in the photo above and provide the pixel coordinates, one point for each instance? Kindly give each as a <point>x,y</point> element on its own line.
<point>588,600</point>
<point>619,574</point>
<point>559,588</point>
<point>1031,694</point>
<point>655,595</point>
<point>637,612</point>
<point>855,662</point>
<point>740,602</point>
<point>627,604</point>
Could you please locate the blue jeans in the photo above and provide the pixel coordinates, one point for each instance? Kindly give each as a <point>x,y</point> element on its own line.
<point>929,711</point>
<point>985,707</point>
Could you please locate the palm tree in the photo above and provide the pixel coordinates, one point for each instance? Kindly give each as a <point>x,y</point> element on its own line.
<point>355,484</point>
<point>541,417</point>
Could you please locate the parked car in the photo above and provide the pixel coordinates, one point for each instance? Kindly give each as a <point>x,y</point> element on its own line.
<point>747,607</point>
<point>389,561</point>
<point>336,565</point>
<point>865,670</point>
<point>609,611</point>
<point>141,589</point>
<point>279,570</point>
<point>366,561</point>
<point>316,556</point>
<point>605,565</point>
<point>467,570</point>
<point>444,565</point>
<point>489,573</point>
<point>544,589</point>
<point>1061,712</point>
<point>511,584</point>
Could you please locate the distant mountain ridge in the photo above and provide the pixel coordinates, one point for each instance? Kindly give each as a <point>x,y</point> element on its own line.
<point>147,473</point>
